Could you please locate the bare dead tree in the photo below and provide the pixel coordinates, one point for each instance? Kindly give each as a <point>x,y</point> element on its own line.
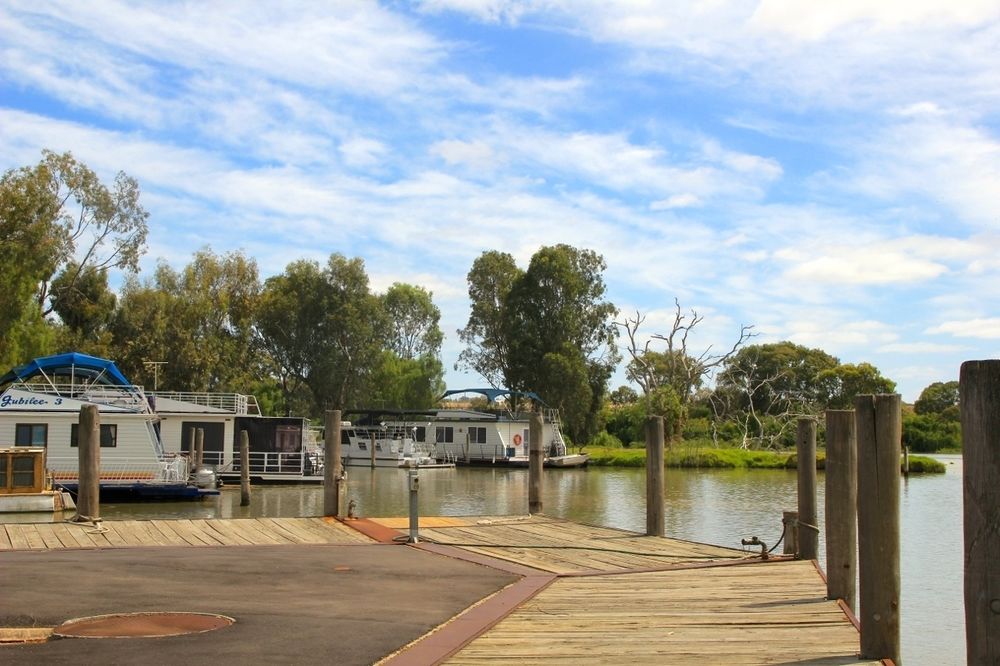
<point>684,370</point>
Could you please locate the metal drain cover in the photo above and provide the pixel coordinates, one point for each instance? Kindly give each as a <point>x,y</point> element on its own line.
<point>141,625</point>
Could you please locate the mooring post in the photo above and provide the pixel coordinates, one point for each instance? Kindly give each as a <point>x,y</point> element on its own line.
<point>244,468</point>
<point>790,524</point>
<point>536,461</point>
<point>654,476</point>
<point>373,451</point>
<point>331,464</point>
<point>805,450</point>
<point>841,506</point>
<point>199,449</point>
<point>88,501</point>
<point>878,428</point>
<point>979,400</point>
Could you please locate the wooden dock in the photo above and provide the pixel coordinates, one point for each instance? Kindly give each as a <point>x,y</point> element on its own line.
<point>586,594</point>
<point>143,533</point>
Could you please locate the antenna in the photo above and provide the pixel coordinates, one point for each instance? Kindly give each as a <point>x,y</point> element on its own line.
<point>156,370</point>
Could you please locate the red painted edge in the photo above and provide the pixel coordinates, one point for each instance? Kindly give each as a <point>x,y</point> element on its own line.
<point>372,530</point>
<point>461,630</point>
<point>850,614</point>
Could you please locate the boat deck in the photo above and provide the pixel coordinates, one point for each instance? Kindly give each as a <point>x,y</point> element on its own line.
<point>581,594</point>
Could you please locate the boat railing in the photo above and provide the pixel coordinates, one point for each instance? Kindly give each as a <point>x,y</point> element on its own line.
<point>122,470</point>
<point>291,464</point>
<point>128,396</point>
<point>234,403</point>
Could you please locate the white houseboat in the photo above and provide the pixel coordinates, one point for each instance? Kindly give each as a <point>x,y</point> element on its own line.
<point>371,442</point>
<point>40,407</point>
<point>499,437</point>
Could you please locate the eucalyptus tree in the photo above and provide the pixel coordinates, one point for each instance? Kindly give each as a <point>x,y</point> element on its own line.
<point>487,352</point>
<point>414,321</point>
<point>198,320</point>
<point>57,217</point>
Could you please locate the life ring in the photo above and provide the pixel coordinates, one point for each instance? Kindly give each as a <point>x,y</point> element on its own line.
<point>517,440</point>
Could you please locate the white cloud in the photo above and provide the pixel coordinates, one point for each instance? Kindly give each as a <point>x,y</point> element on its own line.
<point>919,348</point>
<point>359,151</point>
<point>984,327</point>
<point>475,154</point>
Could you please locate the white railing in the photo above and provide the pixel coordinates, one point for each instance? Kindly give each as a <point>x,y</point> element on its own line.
<point>129,396</point>
<point>121,470</point>
<point>300,463</point>
<point>234,403</point>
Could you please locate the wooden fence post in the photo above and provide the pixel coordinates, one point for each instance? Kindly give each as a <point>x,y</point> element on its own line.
<point>244,468</point>
<point>878,428</point>
<point>841,506</point>
<point>199,449</point>
<point>654,476</point>
<point>805,449</point>
<point>88,439</point>
<point>979,400</point>
<point>331,464</point>
<point>790,522</point>
<point>536,460</point>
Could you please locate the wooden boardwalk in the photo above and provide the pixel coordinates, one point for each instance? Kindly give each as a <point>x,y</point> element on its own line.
<point>141,533</point>
<point>587,594</point>
<point>562,546</point>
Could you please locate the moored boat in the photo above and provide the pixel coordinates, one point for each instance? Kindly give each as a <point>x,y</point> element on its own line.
<point>40,407</point>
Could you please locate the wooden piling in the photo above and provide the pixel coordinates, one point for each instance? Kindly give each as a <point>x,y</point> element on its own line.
<point>244,468</point>
<point>88,502</point>
<point>790,522</point>
<point>536,460</point>
<point>878,430</point>
<point>654,476</point>
<point>331,464</point>
<point>805,449</point>
<point>979,400</point>
<point>199,448</point>
<point>841,507</point>
<point>373,451</point>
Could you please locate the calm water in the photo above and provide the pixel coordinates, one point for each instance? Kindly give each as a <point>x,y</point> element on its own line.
<point>718,506</point>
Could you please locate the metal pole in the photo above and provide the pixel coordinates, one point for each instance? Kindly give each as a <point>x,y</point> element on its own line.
<point>414,483</point>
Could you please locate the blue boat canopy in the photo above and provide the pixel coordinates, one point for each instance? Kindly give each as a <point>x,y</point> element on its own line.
<point>72,364</point>
<point>492,394</point>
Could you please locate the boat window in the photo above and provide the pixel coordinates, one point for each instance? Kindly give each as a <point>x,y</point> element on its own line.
<point>420,434</point>
<point>109,435</point>
<point>363,445</point>
<point>445,434</point>
<point>477,435</point>
<point>31,434</point>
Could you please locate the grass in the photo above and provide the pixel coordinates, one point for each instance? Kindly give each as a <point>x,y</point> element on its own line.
<point>686,455</point>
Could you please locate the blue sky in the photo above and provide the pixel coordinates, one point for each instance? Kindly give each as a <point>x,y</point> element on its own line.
<point>827,172</point>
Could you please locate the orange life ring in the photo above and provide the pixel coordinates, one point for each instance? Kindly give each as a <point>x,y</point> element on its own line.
<point>517,440</point>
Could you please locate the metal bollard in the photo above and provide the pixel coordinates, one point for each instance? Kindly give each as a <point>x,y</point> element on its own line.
<point>414,483</point>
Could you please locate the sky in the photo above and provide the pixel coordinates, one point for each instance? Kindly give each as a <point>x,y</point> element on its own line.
<point>828,173</point>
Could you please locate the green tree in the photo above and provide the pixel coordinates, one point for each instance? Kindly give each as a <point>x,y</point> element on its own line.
<point>414,321</point>
<point>199,320</point>
<point>839,385</point>
<point>407,383</point>
<point>491,278</point>
<point>775,378</point>
<point>939,398</point>
<point>557,321</point>
<point>623,395</point>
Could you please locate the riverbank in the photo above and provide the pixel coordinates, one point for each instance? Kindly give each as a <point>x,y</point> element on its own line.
<point>701,457</point>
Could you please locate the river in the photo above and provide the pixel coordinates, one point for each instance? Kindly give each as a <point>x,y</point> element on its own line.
<point>712,506</point>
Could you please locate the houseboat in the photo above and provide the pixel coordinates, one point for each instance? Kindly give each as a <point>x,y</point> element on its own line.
<point>40,407</point>
<point>25,486</point>
<point>372,442</point>
<point>500,437</point>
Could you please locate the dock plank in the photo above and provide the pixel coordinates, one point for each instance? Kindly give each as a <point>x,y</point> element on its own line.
<point>48,535</point>
<point>170,536</point>
<point>4,539</point>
